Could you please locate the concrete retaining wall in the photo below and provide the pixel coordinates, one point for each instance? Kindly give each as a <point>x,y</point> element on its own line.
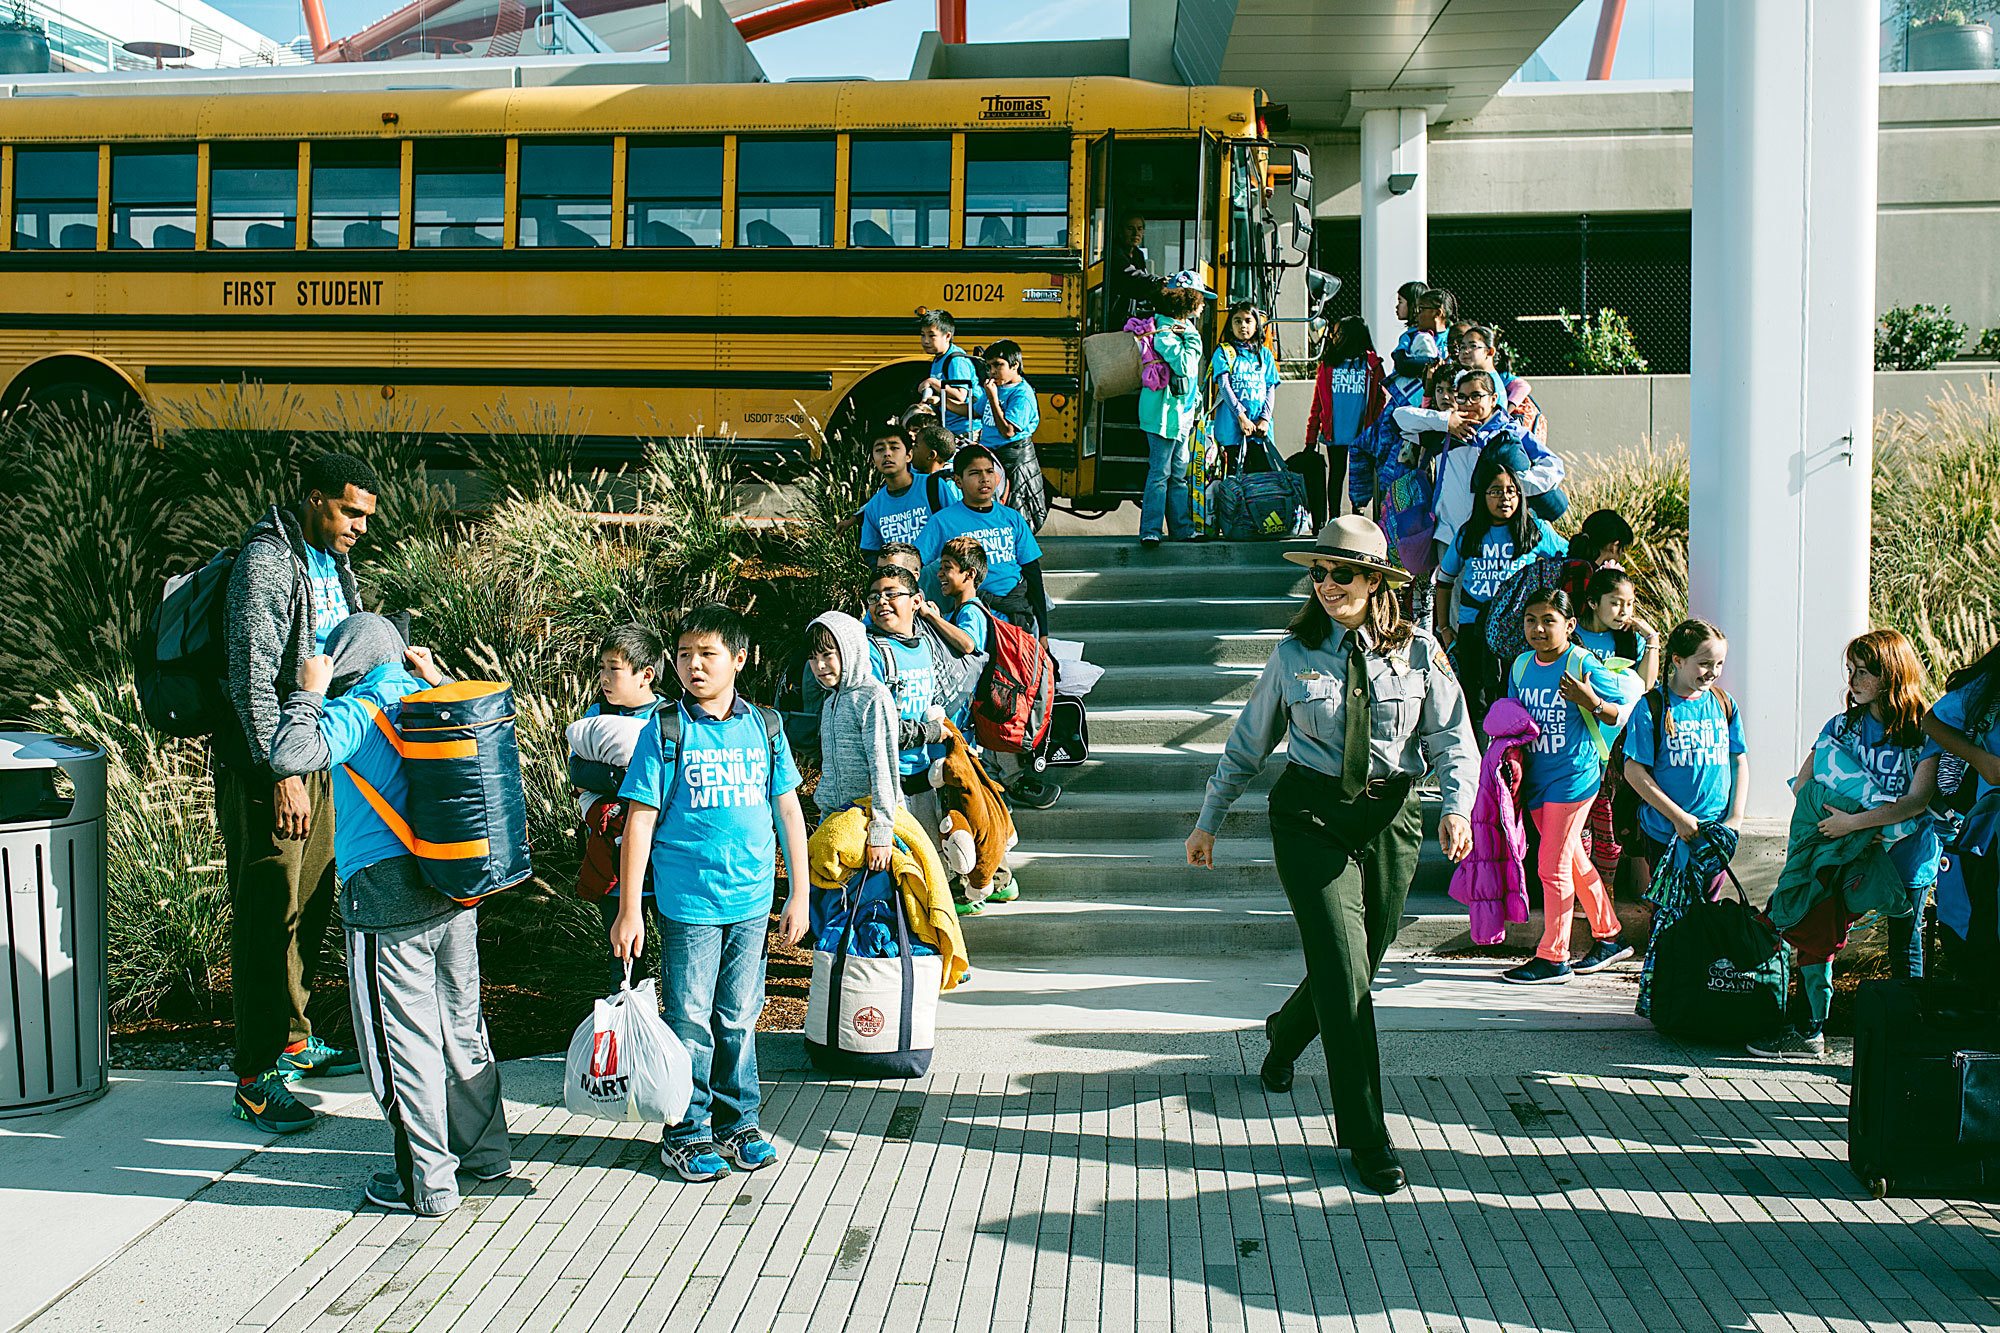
<point>1598,415</point>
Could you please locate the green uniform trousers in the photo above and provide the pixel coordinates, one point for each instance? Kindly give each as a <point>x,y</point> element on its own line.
<point>1346,866</point>
<point>280,900</point>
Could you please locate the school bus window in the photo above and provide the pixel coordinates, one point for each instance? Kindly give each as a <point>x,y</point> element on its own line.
<point>152,198</point>
<point>899,192</point>
<point>253,196</point>
<point>784,191</point>
<point>55,198</point>
<point>565,194</point>
<point>673,193</point>
<point>1016,190</point>
<point>356,195</point>
<point>458,194</point>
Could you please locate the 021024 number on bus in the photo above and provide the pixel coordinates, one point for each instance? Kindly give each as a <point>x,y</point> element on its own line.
<point>959,293</point>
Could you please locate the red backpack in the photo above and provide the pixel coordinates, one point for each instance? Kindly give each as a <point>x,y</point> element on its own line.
<point>1011,708</point>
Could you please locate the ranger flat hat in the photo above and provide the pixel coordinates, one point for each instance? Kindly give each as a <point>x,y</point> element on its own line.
<point>1352,539</point>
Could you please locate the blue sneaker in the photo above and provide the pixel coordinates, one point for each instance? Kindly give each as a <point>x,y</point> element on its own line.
<point>316,1059</point>
<point>749,1151</point>
<point>697,1162</point>
<point>269,1105</point>
<point>1537,972</point>
<point>1603,954</point>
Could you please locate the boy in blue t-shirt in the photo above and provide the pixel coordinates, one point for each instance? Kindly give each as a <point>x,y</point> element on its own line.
<point>961,566</point>
<point>1013,583</point>
<point>705,809</point>
<point>1009,415</point>
<point>901,510</point>
<point>629,659</point>
<point>954,376</point>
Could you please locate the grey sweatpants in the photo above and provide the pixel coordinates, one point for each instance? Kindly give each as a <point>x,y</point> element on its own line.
<point>422,1039</point>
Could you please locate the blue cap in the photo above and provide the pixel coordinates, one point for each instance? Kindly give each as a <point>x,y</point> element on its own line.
<point>1186,280</point>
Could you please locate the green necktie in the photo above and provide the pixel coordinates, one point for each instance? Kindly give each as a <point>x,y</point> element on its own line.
<point>1354,745</point>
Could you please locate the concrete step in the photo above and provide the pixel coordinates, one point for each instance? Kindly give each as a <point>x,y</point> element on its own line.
<point>1175,686</point>
<point>1228,614</point>
<point>1166,816</point>
<point>1177,647</point>
<point>1150,769</point>
<point>1176,581</point>
<point>1176,727</point>
<point>1125,552</point>
<point>1155,870</point>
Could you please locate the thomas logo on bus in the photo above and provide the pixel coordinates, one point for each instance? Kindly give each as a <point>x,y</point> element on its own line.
<point>1013,108</point>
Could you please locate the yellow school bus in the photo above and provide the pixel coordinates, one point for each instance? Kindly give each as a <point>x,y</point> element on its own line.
<point>742,261</point>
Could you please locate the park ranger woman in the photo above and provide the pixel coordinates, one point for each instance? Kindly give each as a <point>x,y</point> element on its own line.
<point>1360,696</point>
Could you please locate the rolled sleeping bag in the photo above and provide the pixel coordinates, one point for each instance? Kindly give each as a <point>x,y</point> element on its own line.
<point>468,814</point>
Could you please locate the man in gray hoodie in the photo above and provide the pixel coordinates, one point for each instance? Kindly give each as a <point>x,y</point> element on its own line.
<point>857,731</point>
<point>291,587</point>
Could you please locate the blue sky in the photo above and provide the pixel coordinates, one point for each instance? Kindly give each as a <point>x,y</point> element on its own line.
<point>1656,42</point>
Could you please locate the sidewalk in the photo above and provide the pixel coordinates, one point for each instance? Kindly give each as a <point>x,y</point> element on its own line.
<point>1113,1165</point>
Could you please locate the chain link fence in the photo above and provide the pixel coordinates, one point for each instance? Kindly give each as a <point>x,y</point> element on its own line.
<point>1519,273</point>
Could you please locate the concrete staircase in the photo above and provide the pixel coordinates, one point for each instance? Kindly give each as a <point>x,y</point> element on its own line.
<point>1182,633</point>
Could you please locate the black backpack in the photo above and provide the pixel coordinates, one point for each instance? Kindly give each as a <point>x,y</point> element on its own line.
<point>181,660</point>
<point>1721,972</point>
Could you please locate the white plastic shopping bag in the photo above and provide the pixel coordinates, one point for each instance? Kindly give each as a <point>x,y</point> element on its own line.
<point>625,1063</point>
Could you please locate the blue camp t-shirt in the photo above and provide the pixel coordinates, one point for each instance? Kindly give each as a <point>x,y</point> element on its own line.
<point>1955,710</point>
<point>1696,771</point>
<point>1565,765</point>
<point>914,688</point>
<point>1483,574</point>
<point>902,518</point>
<point>954,369</point>
<point>1001,532</point>
<point>715,848</point>
<point>1893,767</point>
<point>1018,402</point>
<point>973,619</point>
<point>1604,642</point>
<point>329,599</point>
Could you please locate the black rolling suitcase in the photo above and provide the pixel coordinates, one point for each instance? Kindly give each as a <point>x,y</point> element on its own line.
<point>1924,1113</point>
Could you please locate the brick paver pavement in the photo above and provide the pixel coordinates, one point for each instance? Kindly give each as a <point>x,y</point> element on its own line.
<point>1128,1201</point>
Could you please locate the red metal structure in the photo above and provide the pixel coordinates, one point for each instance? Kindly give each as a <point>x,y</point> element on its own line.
<point>1605,49</point>
<point>763,23</point>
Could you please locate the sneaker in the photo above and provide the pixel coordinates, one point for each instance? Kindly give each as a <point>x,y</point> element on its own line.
<point>968,909</point>
<point>1602,955</point>
<point>316,1059</point>
<point>1537,972</point>
<point>1789,1044</point>
<point>1149,543</point>
<point>749,1151</point>
<point>1033,792</point>
<point>269,1105</point>
<point>488,1177</point>
<point>697,1162</point>
<point>385,1190</point>
<point>1004,891</point>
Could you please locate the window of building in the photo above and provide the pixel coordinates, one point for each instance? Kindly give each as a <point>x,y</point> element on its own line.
<point>565,194</point>
<point>55,198</point>
<point>253,196</point>
<point>356,195</point>
<point>1016,190</point>
<point>784,191</point>
<point>458,197</point>
<point>673,192</point>
<point>152,198</point>
<point>899,192</point>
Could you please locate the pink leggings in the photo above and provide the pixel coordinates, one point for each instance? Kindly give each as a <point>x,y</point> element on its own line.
<point>1567,875</point>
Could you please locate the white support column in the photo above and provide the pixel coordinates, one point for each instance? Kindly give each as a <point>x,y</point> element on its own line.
<point>1394,241</point>
<point>1782,358</point>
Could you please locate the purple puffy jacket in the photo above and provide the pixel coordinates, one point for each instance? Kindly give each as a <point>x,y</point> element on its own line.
<point>1491,882</point>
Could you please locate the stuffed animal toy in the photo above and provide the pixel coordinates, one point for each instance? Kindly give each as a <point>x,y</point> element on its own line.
<point>978,829</point>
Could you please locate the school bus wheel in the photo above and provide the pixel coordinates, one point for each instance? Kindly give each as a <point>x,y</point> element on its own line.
<point>73,387</point>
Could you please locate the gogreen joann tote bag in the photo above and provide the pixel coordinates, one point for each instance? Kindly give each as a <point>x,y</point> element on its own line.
<point>873,1017</point>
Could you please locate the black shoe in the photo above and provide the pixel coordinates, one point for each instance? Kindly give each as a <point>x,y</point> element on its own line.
<point>1276,1074</point>
<point>1031,791</point>
<point>1379,1169</point>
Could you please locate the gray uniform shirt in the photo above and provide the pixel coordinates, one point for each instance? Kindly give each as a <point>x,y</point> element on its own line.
<point>1416,706</point>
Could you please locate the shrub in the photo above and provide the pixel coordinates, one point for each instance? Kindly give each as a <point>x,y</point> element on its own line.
<point>1604,347</point>
<point>1988,346</point>
<point>1917,337</point>
<point>1649,486</point>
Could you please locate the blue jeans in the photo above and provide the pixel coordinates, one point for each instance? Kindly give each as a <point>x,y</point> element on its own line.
<point>714,993</point>
<point>1906,939</point>
<point>1166,494</point>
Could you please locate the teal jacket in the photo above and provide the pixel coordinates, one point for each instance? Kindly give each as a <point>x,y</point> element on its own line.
<point>1162,411</point>
<point>1815,865</point>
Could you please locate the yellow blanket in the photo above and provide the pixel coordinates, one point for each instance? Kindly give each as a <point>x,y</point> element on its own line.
<point>839,847</point>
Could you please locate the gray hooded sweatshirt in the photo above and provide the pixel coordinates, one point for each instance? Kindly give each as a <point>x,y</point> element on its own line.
<point>857,736</point>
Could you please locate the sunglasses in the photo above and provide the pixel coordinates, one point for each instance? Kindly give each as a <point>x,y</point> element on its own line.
<point>1340,574</point>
